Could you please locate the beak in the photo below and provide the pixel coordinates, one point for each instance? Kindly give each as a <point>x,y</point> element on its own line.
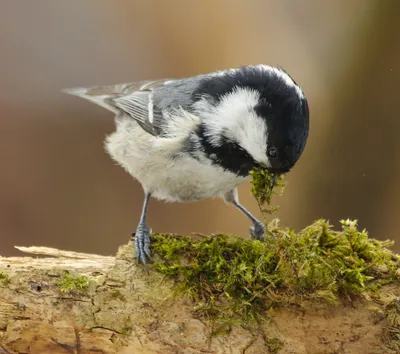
<point>274,179</point>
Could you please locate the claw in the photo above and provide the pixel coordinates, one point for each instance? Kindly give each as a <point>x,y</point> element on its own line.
<point>257,231</point>
<point>142,245</point>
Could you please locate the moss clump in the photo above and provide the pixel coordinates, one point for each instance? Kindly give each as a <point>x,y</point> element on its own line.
<point>261,189</point>
<point>73,283</point>
<point>230,277</point>
<point>4,279</point>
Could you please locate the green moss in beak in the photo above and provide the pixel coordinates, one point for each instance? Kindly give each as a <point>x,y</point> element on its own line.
<point>264,184</point>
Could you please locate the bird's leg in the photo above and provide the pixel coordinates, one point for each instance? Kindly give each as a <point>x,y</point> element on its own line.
<point>142,235</point>
<point>257,230</point>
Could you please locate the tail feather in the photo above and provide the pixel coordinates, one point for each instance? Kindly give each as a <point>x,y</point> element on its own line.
<point>104,95</point>
<point>99,95</point>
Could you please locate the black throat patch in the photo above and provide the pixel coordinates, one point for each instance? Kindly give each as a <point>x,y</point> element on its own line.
<point>228,155</point>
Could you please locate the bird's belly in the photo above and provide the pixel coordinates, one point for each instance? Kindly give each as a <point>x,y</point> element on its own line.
<point>179,179</point>
<point>182,180</point>
<point>191,181</point>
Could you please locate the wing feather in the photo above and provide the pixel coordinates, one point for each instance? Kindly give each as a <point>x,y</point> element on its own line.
<point>134,99</point>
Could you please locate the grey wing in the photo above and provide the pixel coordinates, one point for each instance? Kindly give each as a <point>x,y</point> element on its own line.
<point>137,101</point>
<point>134,99</point>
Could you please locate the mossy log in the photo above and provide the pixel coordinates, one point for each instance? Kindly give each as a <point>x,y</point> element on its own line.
<point>68,302</point>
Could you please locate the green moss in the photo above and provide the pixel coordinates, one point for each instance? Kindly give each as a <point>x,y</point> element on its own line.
<point>73,283</point>
<point>234,280</point>
<point>4,279</point>
<point>261,183</point>
<point>229,277</point>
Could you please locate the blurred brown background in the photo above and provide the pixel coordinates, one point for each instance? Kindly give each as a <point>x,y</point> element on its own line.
<point>58,187</point>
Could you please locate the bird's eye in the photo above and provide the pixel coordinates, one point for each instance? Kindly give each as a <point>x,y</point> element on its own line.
<point>272,153</point>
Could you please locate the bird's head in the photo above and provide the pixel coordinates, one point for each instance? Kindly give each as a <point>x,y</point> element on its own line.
<point>254,116</point>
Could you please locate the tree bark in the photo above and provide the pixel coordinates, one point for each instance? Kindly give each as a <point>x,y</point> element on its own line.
<point>124,310</point>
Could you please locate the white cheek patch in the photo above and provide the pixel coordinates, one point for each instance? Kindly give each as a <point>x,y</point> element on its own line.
<point>236,119</point>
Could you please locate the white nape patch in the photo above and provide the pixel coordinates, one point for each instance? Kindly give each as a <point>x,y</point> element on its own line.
<point>274,70</point>
<point>236,119</point>
<point>150,108</point>
<point>285,77</point>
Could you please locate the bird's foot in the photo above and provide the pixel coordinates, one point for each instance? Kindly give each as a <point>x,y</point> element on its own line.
<point>142,244</point>
<point>257,231</point>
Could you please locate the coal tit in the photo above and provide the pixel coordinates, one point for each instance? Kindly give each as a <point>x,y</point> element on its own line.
<point>199,137</point>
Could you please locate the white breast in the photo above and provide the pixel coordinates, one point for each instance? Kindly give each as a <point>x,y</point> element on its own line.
<point>149,160</point>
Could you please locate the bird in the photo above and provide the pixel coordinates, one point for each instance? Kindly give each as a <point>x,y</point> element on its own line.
<point>192,138</point>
